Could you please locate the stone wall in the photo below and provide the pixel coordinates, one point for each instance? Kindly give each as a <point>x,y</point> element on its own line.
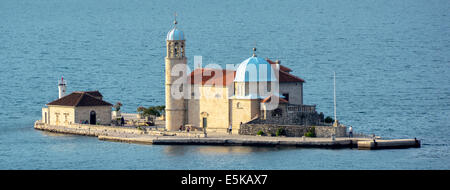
<point>290,114</point>
<point>292,130</point>
<point>327,131</point>
<point>89,130</point>
<point>105,130</point>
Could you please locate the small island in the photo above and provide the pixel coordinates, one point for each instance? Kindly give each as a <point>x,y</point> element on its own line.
<point>259,103</point>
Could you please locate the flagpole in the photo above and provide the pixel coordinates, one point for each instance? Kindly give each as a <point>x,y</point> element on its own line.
<point>334,87</point>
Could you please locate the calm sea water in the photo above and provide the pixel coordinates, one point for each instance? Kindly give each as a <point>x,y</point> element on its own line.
<point>392,60</point>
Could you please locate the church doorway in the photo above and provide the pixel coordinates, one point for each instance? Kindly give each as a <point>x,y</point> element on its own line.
<point>93,118</point>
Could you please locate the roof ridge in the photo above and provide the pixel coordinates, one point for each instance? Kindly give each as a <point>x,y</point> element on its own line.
<point>92,96</point>
<point>79,99</point>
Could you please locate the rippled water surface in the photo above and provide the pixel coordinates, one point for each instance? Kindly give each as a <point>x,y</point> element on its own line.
<point>392,60</point>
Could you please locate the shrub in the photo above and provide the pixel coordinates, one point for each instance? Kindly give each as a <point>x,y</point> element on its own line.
<point>280,132</point>
<point>328,119</point>
<point>260,132</point>
<point>311,132</point>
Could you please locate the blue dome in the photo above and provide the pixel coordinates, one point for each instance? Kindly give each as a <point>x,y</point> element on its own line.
<point>249,71</point>
<point>175,34</point>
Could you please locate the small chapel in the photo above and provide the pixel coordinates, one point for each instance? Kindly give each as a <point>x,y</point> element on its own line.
<point>79,107</point>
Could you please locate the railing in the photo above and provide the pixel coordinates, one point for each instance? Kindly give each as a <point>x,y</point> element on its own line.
<point>301,108</point>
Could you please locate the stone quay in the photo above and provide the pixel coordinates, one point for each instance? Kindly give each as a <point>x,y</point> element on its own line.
<point>146,135</point>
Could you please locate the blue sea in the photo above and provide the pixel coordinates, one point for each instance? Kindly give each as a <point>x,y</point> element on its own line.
<point>391,57</point>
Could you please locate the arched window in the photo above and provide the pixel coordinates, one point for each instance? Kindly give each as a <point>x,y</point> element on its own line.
<point>182,49</point>
<point>238,105</point>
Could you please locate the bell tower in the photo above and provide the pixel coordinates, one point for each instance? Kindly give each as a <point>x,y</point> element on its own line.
<point>175,58</point>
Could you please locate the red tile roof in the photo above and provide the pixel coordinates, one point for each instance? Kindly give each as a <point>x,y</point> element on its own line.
<point>268,99</point>
<point>95,93</point>
<point>287,77</point>
<point>209,76</point>
<point>283,68</point>
<point>81,99</point>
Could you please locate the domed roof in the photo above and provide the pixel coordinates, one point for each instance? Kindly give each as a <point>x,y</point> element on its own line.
<point>175,34</point>
<point>254,69</point>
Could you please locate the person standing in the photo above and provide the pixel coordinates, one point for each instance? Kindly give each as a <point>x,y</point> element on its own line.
<point>350,132</point>
<point>229,129</point>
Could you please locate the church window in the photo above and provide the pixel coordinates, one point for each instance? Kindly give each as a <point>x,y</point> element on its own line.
<point>175,52</point>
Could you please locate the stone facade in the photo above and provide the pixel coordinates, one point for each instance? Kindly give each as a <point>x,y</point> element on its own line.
<point>212,107</point>
<point>243,111</point>
<point>60,115</point>
<point>294,91</point>
<point>103,114</point>
<point>66,115</point>
<point>292,130</point>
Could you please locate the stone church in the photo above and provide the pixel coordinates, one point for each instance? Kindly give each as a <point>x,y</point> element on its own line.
<point>213,99</point>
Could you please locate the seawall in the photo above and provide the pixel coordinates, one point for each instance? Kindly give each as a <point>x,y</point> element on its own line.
<point>102,130</point>
<point>244,141</point>
<point>292,130</point>
<point>148,136</point>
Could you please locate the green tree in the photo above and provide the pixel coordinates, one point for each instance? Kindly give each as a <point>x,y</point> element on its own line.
<point>328,119</point>
<point>152,110</point>
<point>117,106</point>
